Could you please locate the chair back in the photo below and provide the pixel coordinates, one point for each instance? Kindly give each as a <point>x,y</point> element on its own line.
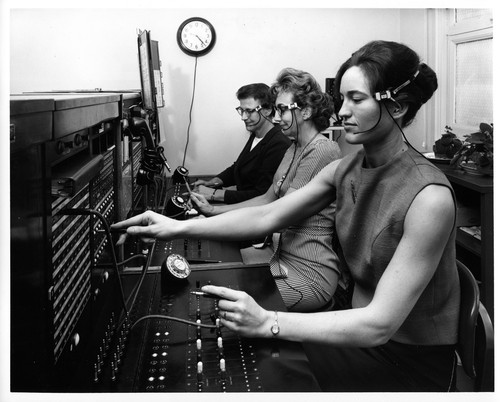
<point>475,334</point>
<point>469,310</point>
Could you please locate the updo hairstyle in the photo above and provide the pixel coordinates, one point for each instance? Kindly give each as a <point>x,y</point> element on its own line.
<point>387,65</point>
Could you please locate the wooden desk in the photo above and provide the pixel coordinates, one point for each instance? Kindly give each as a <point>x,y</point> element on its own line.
<point>476,193</point>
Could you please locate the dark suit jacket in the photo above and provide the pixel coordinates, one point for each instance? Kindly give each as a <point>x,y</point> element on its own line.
<point>253,171</point>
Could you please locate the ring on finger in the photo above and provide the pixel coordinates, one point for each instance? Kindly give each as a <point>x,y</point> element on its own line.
<point>225,315</point>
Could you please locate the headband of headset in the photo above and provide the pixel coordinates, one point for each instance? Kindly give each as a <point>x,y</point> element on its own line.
<point>391,93</point>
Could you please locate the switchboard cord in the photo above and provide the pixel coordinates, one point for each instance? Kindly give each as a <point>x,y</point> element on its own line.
<point>83,211</point>
<point>135,291</point>
<point>168,317</point>
<point>132,258</point>
<point>176,215</point>
<point>156,191</point>
<point>161,186</point>
<point>137,286</point>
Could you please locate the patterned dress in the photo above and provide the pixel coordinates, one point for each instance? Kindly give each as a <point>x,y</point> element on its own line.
<point>304,264</point>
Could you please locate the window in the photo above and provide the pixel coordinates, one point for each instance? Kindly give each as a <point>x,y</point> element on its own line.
<point>466,79</point>
<point>473,83</point>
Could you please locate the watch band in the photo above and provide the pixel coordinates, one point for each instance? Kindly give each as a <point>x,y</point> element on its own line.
<point>275,328</point>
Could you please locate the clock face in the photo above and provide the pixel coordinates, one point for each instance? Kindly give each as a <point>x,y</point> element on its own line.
<point>196,36</point>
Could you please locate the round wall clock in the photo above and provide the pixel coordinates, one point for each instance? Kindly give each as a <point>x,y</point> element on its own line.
<point>196,36</point>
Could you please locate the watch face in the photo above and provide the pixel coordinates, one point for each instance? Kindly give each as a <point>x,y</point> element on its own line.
<point>275,329</point>
<point>196,36</point>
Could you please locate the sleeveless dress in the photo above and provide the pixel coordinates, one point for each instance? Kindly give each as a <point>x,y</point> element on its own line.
<point>371,208</point>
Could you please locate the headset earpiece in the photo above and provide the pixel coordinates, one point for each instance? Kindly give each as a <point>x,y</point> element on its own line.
<point>391,93</point>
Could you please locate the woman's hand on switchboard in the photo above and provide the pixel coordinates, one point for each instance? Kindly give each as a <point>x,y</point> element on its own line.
<point>240,313</point>
<point>148,226</point>
<point>213,183</point>
<point>201,204</point>
<point>205,191</point>
<point>200,183</point>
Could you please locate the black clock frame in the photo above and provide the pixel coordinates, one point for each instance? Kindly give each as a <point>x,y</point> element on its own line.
<point>191,52</point>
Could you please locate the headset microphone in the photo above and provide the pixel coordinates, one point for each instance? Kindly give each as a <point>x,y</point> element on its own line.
<point>376,124</point>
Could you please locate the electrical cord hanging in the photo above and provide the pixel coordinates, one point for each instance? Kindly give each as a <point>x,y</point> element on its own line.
<point>282,180</point>
<point>402,132</point>
<point>294,120</point>
<point>278,247</point>
<point>190,110</point>
<point>270,120</point>
<point>295,141</point>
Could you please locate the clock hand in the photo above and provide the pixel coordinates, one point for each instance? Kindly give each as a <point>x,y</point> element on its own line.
<point>203,43</point>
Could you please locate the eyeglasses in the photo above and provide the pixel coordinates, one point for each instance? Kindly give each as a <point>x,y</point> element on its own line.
<point>248,112</point>
<point>281,108</point>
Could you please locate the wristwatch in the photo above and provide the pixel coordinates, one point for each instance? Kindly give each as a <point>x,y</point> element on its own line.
<point>213,195</point>
<point>275,328</point>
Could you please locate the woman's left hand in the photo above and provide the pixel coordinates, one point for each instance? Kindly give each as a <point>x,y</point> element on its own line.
<point>240,313</point>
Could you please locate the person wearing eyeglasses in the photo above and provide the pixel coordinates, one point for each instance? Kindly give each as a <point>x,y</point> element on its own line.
<point>396,225</point>
<point>302,259</point>
<point>252,173</point>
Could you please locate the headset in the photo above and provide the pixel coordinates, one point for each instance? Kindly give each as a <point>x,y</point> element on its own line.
<point>389,94</point>
<point>258,110</point>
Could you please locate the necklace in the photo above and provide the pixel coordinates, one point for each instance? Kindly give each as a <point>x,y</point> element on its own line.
<point>282,180</point>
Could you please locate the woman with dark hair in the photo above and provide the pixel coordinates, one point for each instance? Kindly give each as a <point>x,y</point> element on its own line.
<point>302,259</point>
<point>395,221</point>
<point>252,172</point>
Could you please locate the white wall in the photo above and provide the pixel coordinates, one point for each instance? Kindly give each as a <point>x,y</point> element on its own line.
<point>88,48</point>
<point>414,33</point>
